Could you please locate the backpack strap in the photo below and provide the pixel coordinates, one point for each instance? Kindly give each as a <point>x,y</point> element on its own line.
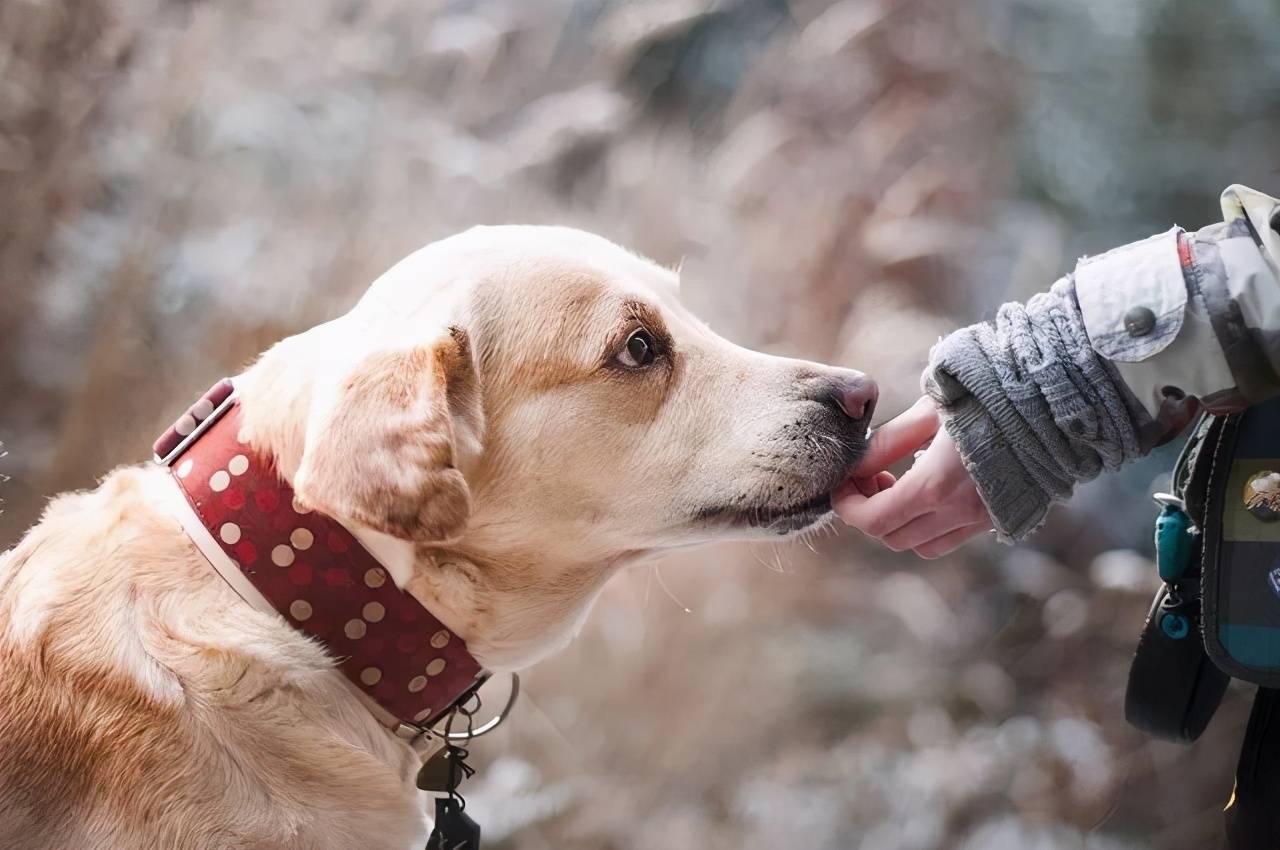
<point>1173,688</point>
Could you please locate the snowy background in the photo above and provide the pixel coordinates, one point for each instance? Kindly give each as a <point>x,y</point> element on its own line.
<point>183,183</point>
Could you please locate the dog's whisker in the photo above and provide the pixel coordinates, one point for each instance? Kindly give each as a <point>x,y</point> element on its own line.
<point>777,556</point>
<point>663,584</point>
<point>774,567</point>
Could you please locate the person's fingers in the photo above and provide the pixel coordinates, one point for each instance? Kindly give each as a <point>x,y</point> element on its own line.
<point>848,499</point>
<point>951,541</point>
<point>848,488</point>
<point>925,529</point>
<point>865,486</point>
<point>875,484</point>
<point>886,511</point>
<point>899,437</point>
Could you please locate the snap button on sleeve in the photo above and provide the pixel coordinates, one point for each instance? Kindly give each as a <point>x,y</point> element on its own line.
<point>1133,298</point>
<point>1139,321</point>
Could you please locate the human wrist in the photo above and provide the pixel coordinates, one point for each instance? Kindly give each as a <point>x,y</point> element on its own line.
<point>1016,503</point>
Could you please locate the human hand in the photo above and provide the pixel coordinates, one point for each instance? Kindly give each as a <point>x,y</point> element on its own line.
<point>933,509</point>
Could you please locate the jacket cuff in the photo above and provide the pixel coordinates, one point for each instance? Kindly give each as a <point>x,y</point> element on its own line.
<point>1017,504</point>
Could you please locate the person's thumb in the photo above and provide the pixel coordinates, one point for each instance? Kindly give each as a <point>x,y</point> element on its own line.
<point>899,437</point>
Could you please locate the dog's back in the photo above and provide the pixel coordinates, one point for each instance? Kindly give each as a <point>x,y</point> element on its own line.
<point>77,732</point>
<point>143,705</point>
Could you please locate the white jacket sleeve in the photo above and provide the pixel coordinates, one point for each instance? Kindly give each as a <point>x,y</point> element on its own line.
<point>1192,315</point>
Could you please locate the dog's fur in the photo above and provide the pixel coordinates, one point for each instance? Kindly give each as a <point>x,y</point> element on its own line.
<point>471,422</point>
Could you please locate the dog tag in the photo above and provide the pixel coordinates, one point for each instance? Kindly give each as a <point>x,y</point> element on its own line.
<point>454,829</point>
<point>439,773</point>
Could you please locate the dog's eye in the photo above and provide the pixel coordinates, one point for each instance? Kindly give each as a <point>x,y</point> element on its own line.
<point>639,350</point>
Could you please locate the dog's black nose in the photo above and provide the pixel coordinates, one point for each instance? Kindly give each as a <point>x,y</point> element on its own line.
<point>856,396</point>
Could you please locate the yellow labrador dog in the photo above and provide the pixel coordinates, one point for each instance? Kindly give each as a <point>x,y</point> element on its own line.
<point>503,421</point>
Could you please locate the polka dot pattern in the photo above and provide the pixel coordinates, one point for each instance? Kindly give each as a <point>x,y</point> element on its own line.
<point>319,577</point>
<point>202,409</point>
<point>186,424</point>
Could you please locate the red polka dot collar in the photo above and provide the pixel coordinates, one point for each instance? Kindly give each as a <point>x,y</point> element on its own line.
<point>410,668</point>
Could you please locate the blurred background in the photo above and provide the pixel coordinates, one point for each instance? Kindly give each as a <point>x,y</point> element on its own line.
<point>185,182</point>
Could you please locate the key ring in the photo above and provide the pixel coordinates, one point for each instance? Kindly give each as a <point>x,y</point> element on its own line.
<point>490,724</point>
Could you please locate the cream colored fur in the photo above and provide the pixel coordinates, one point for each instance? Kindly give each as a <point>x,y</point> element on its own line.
<point>469,420</point>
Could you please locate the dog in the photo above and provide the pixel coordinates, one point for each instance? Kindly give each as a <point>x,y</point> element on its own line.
<point>504,420</point>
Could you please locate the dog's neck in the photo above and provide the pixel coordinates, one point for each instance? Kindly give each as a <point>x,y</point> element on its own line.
<point>508,624</point>
<point>476,586</point>
<point>282,557</point>
<point>467,592</point>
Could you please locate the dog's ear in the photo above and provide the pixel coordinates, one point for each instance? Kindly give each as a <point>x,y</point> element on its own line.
<point>380,448</point>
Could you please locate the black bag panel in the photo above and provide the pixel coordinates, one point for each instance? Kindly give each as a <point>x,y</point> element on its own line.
<point>1173,688</point>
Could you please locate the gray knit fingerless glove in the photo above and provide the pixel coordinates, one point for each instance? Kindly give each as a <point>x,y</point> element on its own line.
<point>1032,408</point>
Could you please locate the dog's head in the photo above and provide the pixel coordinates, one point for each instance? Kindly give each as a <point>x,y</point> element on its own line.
<point>526,408</point>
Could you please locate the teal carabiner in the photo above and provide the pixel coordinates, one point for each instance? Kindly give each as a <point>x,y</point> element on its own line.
<point>1173,538</point>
